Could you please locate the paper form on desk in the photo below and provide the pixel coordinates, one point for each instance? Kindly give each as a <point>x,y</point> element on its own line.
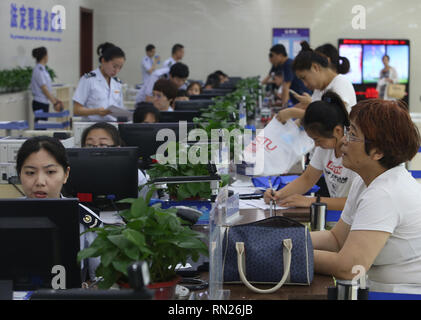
<point>120,112</point>
<point>257,203</point>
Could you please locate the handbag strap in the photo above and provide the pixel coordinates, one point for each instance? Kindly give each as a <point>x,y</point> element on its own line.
<point>239,246</point>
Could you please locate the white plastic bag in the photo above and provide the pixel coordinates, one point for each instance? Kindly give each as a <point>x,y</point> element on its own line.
<point>276,148</point>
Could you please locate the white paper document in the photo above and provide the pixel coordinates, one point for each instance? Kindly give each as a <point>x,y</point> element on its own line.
<point>120,112</point>
<point>257,203</point>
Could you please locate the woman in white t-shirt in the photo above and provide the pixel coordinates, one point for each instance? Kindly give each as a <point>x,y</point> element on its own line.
<point>321,70</point>
<point>380,226</point>
<point>324,122</point>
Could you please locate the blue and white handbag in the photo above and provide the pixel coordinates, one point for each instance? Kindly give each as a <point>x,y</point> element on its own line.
<point>276,250</point>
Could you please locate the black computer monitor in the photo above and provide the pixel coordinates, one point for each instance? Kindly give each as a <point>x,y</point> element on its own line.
<point>207,96</point>
<point>195,104</point>
<point>144,136</point>
<point>179,115</point>
<point>102,176</point>
<point>219,90</point>
<point>35,236</point>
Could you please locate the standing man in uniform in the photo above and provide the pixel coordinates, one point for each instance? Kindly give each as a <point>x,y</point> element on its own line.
<point>177,54</point>
<point>282,63</point>
<point>149,62</point>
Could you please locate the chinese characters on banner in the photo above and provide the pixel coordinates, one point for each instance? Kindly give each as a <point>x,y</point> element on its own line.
<point>290,38</point>
<point>24,18</point>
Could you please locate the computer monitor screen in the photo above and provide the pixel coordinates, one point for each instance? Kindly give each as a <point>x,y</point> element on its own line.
<point>144,135</point>
<point>35,236</point>
<point>207,96</point>
<point>193,104</point>
<point>179,115</point>
<point>102,176</point>
<point>365,56</point>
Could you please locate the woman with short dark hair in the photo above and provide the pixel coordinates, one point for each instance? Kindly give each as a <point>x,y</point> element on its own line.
<point>380,226</point>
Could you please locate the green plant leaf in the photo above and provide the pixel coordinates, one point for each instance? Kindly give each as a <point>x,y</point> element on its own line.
<point>121,266</point>
<point>135,237</point>
<point>132,252</point>
<point>109,256</point>
<point>87,253</point>
<point>119,240</point>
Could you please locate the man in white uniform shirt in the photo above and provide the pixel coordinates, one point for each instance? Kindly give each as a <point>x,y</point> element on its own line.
<point>149,62</point>
<point>177,54</point>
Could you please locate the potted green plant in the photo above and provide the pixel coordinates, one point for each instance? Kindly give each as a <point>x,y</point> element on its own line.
<point>185,191</point>
<point>18,79</point>
<point>152,234</point>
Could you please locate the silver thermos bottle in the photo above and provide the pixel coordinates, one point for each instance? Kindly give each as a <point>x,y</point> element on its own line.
<point>318,215</point>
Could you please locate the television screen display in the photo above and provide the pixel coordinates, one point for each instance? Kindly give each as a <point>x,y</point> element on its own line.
<point>365,57</point>
<point>354,55</point>
<point>372,62</point>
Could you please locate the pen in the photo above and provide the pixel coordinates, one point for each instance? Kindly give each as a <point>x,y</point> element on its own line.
<point>98,280</point>
<point>272,194</point>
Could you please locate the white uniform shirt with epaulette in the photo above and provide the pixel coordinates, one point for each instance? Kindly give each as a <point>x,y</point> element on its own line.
<point>147,63</point>
<point>88,220</point>
<point>169,62</point>
<point>147,87</point>
<point>93,92</point>
<point>40,77</point>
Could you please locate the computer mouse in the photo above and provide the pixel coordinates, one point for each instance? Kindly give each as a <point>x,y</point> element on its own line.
<point>188,214</point>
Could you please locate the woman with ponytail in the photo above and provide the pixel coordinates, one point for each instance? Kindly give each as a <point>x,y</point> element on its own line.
<point>41,84</point>
<point>100,88</point>
<point>320,70</point>
<point>324,122</point>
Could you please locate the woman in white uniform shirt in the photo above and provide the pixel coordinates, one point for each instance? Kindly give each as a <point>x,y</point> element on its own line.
<point>41,83</point>
<point>43,168</point>
<point>100,89</point>
<point>380,226</point>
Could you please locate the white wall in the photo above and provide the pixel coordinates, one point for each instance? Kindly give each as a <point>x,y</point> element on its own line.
<point>63,55</point>
<point>231,35</point>
<point>235,35</point>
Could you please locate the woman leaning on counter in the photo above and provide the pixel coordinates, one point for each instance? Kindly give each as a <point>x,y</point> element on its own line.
<point>380,226</point>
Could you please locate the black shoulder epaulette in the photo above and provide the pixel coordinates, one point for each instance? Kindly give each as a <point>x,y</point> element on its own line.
<point>117,79</point>
<point>90,74</point>
<point>87,219</point>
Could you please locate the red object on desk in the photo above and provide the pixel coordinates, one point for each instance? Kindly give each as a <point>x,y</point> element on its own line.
<point>84,197</point>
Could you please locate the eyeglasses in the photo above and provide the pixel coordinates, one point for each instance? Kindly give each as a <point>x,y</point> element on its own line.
<point>99,146</point>
<point>350,137</point>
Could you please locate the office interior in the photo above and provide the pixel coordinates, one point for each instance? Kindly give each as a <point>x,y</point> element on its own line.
<point>234,36</point>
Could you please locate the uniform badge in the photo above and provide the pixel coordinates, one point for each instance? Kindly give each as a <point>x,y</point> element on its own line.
<point>90,75</point>
<point>89,220</point>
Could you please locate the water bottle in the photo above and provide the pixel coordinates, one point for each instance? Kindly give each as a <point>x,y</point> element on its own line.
<point>242,113</point>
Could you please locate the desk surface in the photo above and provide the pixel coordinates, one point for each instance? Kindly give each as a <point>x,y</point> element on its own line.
<point>318,288</point>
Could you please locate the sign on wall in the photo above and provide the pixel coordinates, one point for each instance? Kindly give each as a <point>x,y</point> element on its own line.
<point>34,23</point>
<point>291,39</point>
